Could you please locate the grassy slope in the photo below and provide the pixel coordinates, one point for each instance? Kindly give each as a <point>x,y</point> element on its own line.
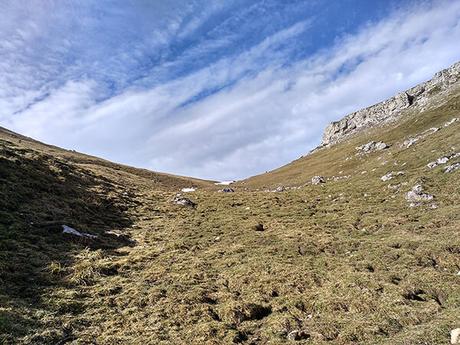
<point>345,262</point>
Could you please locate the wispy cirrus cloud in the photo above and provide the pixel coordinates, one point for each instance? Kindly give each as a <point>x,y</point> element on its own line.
<point>197,97</point>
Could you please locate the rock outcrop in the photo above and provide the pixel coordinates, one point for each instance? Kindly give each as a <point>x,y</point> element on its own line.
<point>391,109</point>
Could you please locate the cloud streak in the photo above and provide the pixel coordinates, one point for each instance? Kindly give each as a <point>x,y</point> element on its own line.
<point>241,112</point>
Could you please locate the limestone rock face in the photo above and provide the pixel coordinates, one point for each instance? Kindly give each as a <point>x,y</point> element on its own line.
<point>391,109</point>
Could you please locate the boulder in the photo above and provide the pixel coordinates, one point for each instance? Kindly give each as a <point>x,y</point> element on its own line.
<point>452,168</point>
<point>317,180</point>
<point>372,146</point>
<point>298,335</point>
<point>455,336</point>
<point>391,175</point>
<point>183,201</point>
<point>416,196</point>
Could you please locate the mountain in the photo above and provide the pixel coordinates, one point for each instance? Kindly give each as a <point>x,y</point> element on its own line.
<point>417,98</point>
<point>354,243</point>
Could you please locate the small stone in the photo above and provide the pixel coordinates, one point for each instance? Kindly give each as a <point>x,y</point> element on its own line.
<point>183,201</point>
<point>452,168</point>
<point>280,189</point>
<point>302,250</point>
<point>447,124</point>
<point>455,336</point>
<point>416,196</point>
<point>409,142</point>
<point>317,180</point>
<point>371,147</point>
<point>228,190</point>
<point>442,160</point>
<point>298,335</point>
<point>387,177</point>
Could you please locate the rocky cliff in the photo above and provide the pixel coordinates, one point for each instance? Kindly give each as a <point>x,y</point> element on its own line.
<point>392,108</point>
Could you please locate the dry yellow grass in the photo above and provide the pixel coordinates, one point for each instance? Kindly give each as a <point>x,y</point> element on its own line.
<point>345,262</point>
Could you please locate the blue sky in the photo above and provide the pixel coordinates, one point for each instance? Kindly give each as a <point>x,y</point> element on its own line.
<point>213,89</point>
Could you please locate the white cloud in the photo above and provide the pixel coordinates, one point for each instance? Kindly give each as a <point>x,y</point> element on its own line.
<point>263,120</point>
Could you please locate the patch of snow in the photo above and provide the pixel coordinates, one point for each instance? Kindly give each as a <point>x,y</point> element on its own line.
<point>188,190</point>
<point>224,183</point>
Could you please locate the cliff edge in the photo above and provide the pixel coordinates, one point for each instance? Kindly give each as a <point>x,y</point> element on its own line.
<point>391,109</point>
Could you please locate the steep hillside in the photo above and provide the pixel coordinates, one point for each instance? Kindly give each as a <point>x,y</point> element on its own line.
<point>361,257</point>
<point>160,181</point>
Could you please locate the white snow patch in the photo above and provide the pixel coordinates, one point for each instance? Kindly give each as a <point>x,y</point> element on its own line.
<point>224,183</point>
<point>188,190</point>
<point>68,230</point>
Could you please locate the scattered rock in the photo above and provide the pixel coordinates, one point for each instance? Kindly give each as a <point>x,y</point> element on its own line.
<point>448,123</point>
<point>71,231</point>
<point>443,160</point>
<point>411,141</point>
<point>317,180</point>
<point>416,196</point>
<point>298,335</point>
<point>455,336</point>
<point>391,175</point>
<point>228,190</point>
<point>280,189</point>
<point>451,168</point>
<point>302,250</point>
<point>188,190</point>
<point>183,201</point>
<point>338,178</point>
<point>258,227</point>
<point>372,146</point>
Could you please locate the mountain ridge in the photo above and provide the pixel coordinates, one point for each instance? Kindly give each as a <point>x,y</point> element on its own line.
<point>393,108</point>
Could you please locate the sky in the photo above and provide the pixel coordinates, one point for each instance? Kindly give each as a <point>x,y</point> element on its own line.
<point>220,89</point>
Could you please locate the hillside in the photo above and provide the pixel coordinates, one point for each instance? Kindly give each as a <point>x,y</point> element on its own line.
<point>355,259</point>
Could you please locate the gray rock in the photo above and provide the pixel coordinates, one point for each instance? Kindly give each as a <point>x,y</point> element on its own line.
<point>448,123</point>
<point>432,165</point>
<point>416,196</point>
<point>391,109</point>
<point>443,160</point>
<point>298,335</point>
<point>228,190</point>
<point>391,175</point>
<point>372,146</point>
<point>317,180</point>
<point>409,142</point>
<point>452,168</point>
<point>455,336</point>
<point>183,201</point>
<point>280,189</point>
